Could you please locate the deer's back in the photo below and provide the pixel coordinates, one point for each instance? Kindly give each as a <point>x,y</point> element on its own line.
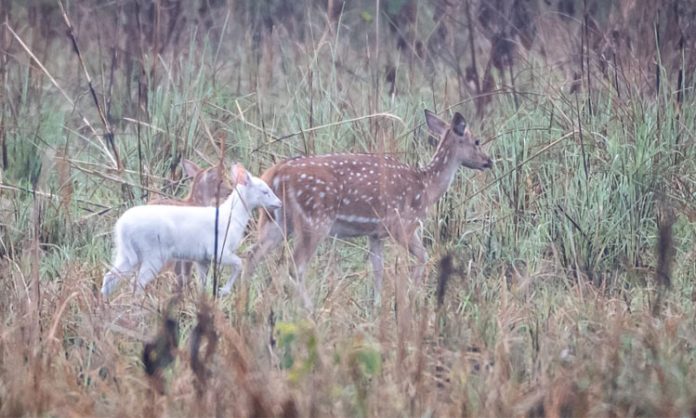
<point>359,194</point>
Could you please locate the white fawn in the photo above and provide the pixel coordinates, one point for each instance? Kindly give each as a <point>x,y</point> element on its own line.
<point>209,187</point>
<point>147,237</point>
<point>352,195</point>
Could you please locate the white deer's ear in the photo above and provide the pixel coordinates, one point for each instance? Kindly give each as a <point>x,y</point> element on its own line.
<point>458,124</point>
<point>436,125</point>
<point>240,175</point>
<point>190,168</point>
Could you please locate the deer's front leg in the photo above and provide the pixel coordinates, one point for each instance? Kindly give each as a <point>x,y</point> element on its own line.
<point>306,243</point>
<point>409,238</point>
<point>236,263</point>
<point>377,261</point>
<point>416,248</point>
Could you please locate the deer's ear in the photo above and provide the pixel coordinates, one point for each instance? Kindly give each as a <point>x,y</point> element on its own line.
<point>458,124</point>
<point>240,175</point>
<point>436,125</point>
<point>190,168</point>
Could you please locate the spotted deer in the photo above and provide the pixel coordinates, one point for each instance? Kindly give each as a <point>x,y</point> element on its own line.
<point>209,187</point>
<point>353,195</point>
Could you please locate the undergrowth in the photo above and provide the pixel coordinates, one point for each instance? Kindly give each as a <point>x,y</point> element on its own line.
<point>559,283</point>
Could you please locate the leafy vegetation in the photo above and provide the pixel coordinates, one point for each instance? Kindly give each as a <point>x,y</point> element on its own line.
<point>569,286</point>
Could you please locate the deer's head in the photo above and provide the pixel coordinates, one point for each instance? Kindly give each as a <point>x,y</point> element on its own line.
<point>255,192</point>
<point>210,185</point>
<point>463,146</point>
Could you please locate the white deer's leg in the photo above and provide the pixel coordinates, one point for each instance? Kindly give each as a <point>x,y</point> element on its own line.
<point>377,260</point>
<point>202,267</point>
<point>120,269</point>
<point>183,272</point>
<point>148,271</point>
<point>236,264</point>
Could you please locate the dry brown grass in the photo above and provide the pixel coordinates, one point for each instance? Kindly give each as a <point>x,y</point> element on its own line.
<point>546,293</point>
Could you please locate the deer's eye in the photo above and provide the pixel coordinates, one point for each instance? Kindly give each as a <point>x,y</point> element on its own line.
<point>477,142</point>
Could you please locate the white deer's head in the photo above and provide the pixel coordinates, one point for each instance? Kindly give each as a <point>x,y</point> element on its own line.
<point>254,191</point>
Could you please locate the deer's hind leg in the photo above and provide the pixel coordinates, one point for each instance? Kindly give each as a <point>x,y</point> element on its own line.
<point>123,266</point>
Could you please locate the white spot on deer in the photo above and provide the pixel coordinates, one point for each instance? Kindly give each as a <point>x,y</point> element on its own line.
<point>276,182</point>
<point>321,195</point>
<point>299,194</point>
<point>356,218</point>
<point>346,201</point>
<point>303,176</point>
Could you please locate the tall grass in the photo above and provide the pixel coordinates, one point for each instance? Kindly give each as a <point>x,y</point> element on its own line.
<point>551,307</point>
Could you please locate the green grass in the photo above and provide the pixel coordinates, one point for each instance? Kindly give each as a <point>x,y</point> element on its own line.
<point>550,309</point>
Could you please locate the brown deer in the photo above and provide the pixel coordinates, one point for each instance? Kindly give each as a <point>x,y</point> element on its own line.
<point>209,187</point>
<point>352,195</point>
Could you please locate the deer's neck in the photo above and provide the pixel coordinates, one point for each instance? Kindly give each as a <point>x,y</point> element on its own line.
<point>439,173</point>
<point>234,210</point>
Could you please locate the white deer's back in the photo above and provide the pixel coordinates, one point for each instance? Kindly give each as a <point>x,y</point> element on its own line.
<point>157,231</point>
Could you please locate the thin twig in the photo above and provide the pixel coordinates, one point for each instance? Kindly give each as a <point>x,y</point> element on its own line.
<point>328,125</point>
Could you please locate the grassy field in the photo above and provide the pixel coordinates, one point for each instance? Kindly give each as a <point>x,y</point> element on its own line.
<point>559,283</point>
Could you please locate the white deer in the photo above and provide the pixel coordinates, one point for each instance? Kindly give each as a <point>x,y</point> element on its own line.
<point>209,187</point>
<point>147,237</point>
<point>352,195</point>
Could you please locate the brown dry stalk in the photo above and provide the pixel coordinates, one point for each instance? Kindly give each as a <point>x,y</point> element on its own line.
<point>109,136</point>
<point>204,330</point>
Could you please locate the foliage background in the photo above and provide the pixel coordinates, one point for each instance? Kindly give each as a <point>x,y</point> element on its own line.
<point>560,282</point>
